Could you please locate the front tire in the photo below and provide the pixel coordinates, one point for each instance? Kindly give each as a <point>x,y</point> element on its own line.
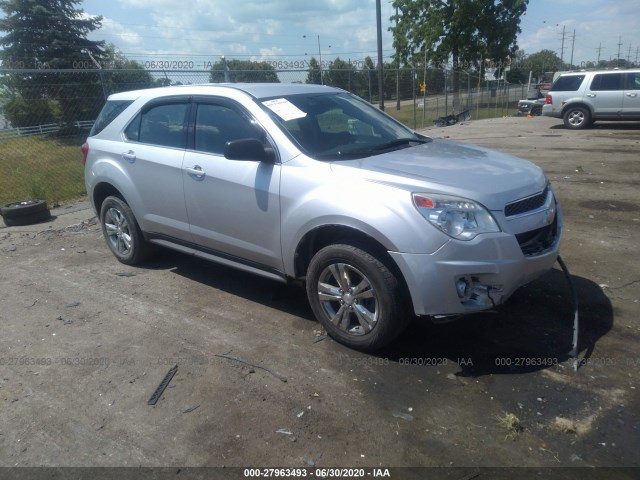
<point>121,231</point>
<point>356,297</point>
<point>577,118</point>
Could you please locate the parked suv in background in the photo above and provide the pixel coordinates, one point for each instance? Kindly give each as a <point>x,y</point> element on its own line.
<point>312,184</point>
<point>581,98</point>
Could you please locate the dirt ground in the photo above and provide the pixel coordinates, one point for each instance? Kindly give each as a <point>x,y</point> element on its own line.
<point>85,342</point>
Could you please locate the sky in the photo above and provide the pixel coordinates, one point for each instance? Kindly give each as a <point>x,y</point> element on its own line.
<point>201,31</point>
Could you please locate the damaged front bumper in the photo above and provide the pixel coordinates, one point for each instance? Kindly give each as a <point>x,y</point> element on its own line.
<point>466,277</point>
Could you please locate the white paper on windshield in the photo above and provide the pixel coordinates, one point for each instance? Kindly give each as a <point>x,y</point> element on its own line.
<point>284,109</point>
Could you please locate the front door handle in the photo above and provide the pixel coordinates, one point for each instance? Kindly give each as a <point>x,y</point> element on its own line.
<point>129,156</point>
<point>196,172</point>
<point>632,94</point>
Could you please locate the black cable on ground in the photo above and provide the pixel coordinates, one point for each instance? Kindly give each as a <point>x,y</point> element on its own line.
<point>574,345</point>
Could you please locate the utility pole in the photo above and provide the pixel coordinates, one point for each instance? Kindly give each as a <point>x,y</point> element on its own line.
<point>398,70</point>
<point>619,45</point>
<point>573,44</point>
<point>629,56</point>
<point>380,65</point>
<point>562,48</point>
<point>637,48</point>
<point>599,49</point>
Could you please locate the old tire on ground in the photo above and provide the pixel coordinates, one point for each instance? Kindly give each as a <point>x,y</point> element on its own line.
<point>25,213</point>
<point>356,297</point>
<point>576,118</point>
<point>536,111</point>
<point>122,233</point>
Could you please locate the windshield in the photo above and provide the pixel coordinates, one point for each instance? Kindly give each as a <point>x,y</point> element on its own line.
<point>334,126</point>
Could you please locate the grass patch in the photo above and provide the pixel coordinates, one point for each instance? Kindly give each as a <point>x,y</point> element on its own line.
<point>573,427</point>
<point>41,167</point>
<point>511,424</point>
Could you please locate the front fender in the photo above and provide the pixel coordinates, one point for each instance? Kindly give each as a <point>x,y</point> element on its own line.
<point>313,196</point>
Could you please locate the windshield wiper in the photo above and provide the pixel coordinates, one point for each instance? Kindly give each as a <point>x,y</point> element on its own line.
<point>372,150</point>
<point>397,143</point>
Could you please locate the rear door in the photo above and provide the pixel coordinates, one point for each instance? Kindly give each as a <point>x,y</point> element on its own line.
<point>605,93</point>
<point>631,100</point>
<point>233,205</point>
<point>153,155</point>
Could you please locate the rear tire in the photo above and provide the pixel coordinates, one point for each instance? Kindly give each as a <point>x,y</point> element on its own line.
<point>122,233</point>
<point>356,297</point>
<point>577,118</point>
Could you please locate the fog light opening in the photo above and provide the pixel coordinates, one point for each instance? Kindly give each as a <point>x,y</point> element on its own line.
<point>464,287</point>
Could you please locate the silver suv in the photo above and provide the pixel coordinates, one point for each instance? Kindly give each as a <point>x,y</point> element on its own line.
<point>581,98</point>
<point>312,184</point>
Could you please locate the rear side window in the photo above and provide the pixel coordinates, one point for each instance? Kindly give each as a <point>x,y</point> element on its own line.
<point>567,83</point>
<point>607,81</point>
<point>108,114</point>
<point>162,125</point>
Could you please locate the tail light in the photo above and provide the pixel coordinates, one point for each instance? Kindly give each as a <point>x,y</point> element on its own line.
<point>85,152</point>
<point>548,100</point>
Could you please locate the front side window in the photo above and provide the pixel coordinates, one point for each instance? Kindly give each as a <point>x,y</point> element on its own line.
<point>219,124</point>
<point>162,125</point>
<point>606,81</point>
<point>633,81</point>
<point>567,83</point>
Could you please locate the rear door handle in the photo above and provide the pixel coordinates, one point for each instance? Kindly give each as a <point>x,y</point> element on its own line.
<point>129,156</point>
<point>591,95</point>
<point>196,172</point>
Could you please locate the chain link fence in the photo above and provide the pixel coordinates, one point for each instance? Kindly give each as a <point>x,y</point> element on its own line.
<point>45,115</point>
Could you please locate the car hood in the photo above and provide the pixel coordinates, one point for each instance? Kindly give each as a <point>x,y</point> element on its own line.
<point>442,166</point>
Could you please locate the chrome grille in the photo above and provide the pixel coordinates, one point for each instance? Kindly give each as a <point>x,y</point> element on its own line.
<point>526,204</point>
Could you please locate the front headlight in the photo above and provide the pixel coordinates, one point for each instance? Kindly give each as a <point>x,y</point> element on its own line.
<point>458,217</point>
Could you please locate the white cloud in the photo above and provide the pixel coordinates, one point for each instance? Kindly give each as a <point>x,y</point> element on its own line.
<point>118,34</point>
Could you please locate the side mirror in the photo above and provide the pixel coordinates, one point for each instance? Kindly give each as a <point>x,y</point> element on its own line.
<point>249,149</point>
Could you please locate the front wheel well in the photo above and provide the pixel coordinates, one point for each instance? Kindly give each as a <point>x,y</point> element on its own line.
<point>321,237</point>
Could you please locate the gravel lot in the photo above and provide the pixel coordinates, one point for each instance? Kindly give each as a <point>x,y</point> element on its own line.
<point>86,341</point>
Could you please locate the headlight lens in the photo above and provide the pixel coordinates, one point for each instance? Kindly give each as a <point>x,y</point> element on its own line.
<point>458,217</point>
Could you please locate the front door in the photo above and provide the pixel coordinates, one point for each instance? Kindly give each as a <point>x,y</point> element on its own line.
<point>233,205</point>
<point>631,100</point>
<point>605,94</point>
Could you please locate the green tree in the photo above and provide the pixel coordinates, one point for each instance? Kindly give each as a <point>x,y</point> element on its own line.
<point>542,61</point>
<point>124,74</point>
<point>340,74</point>
<point>314,76</point>
<point>517,72</point>
<point>45,35</point>
<point>367,80</point>
<point>463,31</point>
<point>244,71</point>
